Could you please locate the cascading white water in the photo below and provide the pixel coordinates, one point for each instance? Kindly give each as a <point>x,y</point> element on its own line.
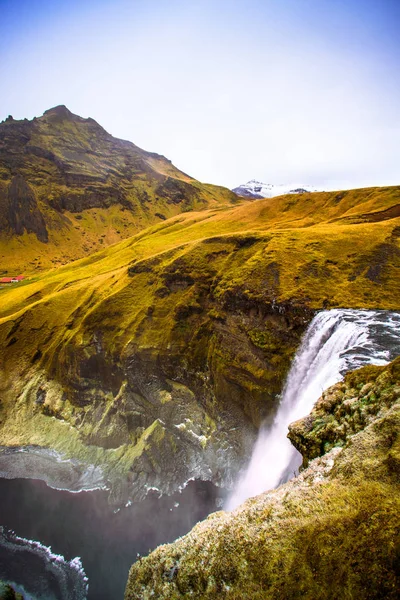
<point>335,342</point>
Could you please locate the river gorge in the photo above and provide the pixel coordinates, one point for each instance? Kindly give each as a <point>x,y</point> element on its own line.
<point>73,543</point>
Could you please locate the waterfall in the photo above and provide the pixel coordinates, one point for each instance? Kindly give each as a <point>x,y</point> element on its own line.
<point>335,342</point>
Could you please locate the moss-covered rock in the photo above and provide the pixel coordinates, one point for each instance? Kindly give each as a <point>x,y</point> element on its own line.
<point>345,409</point>
<point>8,593</point>
<point>205,386</point>
<point>333,532</point>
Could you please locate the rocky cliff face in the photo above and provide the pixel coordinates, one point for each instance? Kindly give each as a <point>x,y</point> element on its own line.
<point>68,182</point>
<point>23,213</point>
<point>330,533</point>
<point>156,414</point>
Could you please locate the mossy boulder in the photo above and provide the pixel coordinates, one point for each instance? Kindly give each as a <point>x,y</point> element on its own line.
<point>345,409</point>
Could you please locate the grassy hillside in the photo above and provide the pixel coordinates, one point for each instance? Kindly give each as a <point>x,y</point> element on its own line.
<point>350,247</point>
<point>67,188</point>
<point>202,312</point>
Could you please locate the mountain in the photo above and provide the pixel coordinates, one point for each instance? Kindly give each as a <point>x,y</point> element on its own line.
<point>157,358</point>
<point>67,188</point>
<point>257,189</point>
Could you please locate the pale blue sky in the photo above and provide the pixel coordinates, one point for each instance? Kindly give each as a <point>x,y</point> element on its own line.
<point>281,91</point>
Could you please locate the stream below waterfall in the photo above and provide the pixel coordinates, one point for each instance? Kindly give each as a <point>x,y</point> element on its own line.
<point>335,342</point>
<point>107,540</point>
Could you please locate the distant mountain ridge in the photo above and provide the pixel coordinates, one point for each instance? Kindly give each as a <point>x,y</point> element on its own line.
<point>68,188</point>
<point>258,189</point>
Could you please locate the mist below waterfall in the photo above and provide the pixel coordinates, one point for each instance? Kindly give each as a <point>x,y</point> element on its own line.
<point>335,342</point>
<point>44,530</point>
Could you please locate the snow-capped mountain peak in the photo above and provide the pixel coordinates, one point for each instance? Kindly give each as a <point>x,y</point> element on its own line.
<point>258,189</point>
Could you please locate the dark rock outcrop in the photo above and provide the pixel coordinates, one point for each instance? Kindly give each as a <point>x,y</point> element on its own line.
<point>23,211</point>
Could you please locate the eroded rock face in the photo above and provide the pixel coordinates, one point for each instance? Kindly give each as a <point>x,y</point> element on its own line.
<point>23,210</point>
<point>157,417</point>
<point>330,533</point>
<point>163,376</point>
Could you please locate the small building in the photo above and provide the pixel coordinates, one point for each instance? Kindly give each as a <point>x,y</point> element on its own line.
<point>12,279</point>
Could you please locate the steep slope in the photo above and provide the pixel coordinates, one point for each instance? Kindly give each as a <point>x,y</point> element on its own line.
<point>333,532</point>
<point>67,187</point>
<point>157,358</point>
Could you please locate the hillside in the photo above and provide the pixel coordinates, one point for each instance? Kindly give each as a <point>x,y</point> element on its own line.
<point>157,358</point>
<point>332,532</point>
<point>67,188</point>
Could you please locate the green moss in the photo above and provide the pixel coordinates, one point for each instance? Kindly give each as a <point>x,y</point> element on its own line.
<point>346,408</point>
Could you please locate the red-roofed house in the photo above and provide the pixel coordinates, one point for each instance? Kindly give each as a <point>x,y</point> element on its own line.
<point>12,279</point>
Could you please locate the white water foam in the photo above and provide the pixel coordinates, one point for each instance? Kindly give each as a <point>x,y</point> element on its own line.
<point>335,342</point>
<point>68,577</point>
<point>58,472</point>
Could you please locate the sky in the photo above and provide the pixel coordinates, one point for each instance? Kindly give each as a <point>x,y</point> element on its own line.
<point>283,91</point>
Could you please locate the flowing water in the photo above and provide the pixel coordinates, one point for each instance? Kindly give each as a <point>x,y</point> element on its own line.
<point>335,342</point>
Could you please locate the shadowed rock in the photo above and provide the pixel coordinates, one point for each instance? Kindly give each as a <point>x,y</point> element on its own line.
<point>23,211</point>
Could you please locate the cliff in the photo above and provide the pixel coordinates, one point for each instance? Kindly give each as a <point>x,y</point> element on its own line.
<point>333,532</point>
